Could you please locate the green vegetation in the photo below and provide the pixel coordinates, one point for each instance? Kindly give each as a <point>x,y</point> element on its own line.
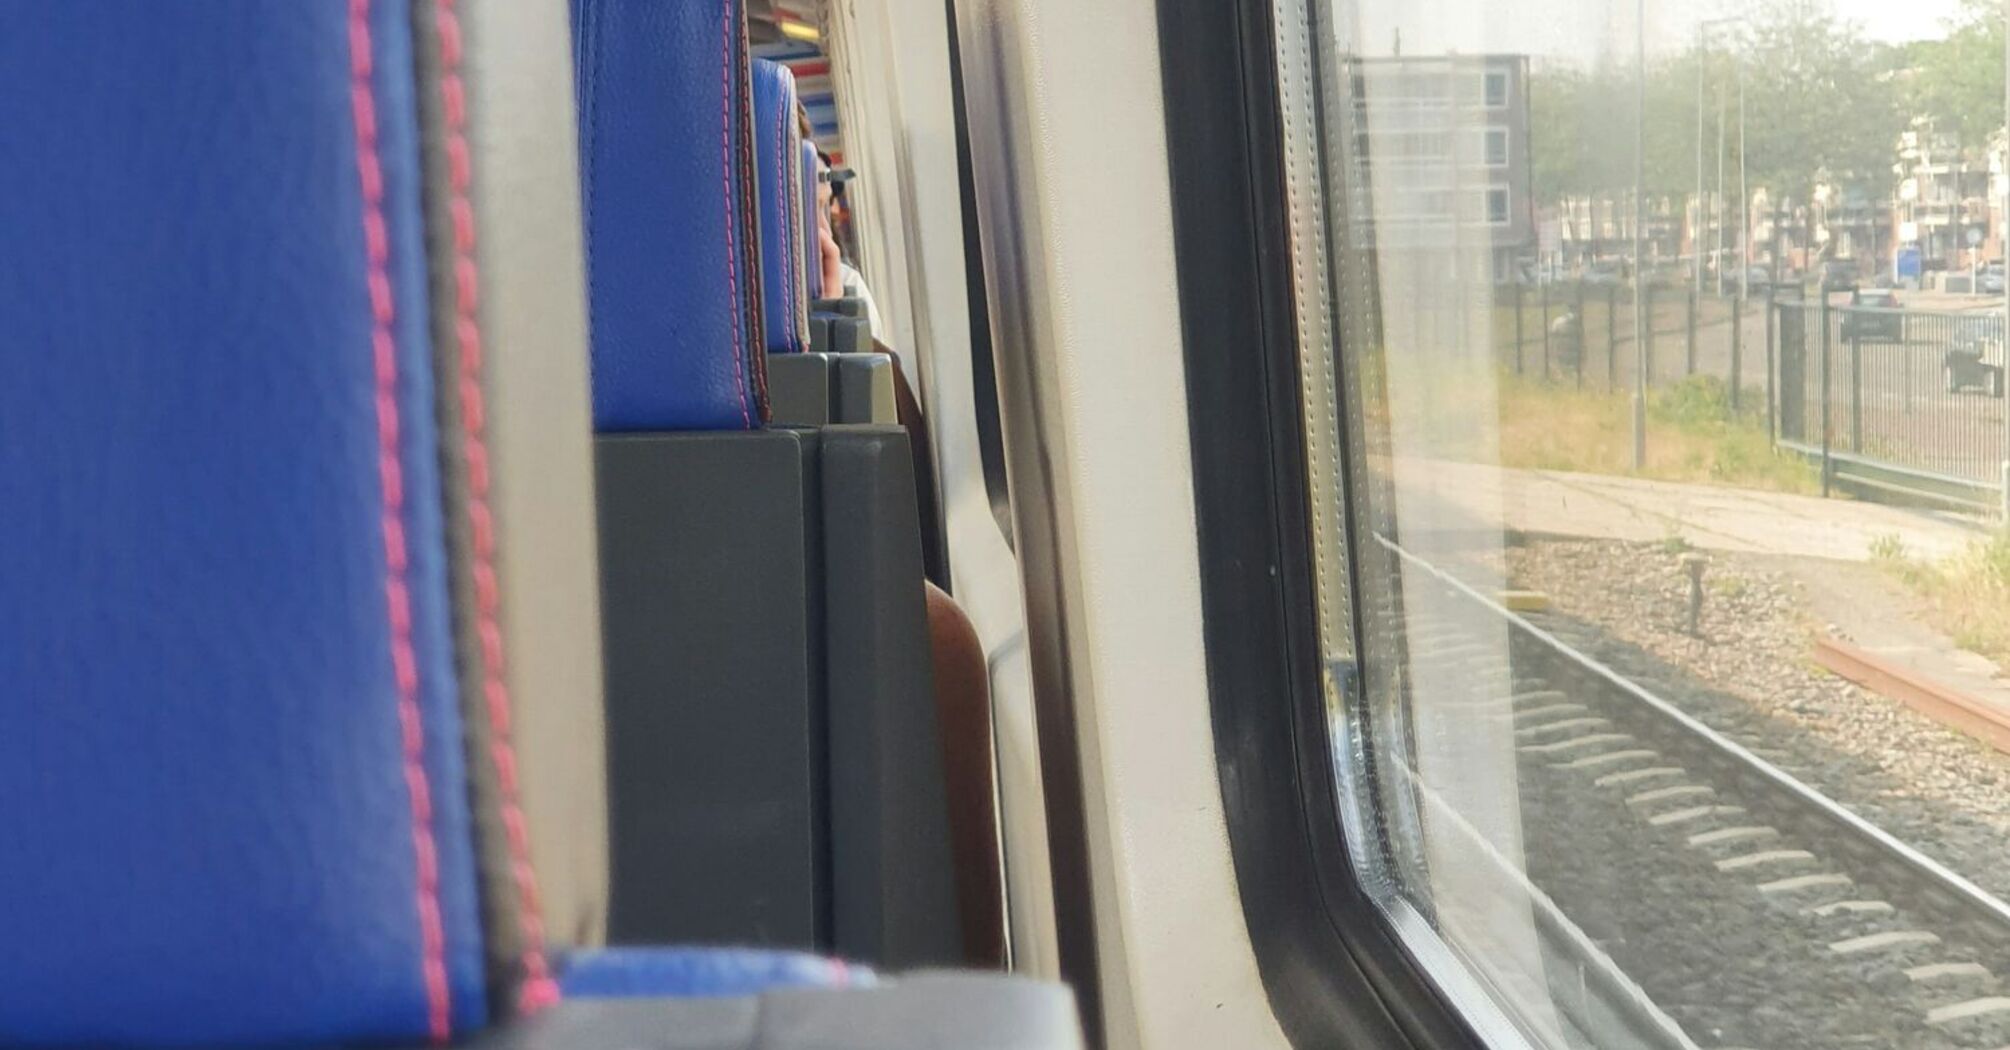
<point>1822,100</point>
<point>1958,79</point>
<point>1966,597</point>
<point>1887,547</point>
<point>1824,103</point>
<point>1692,435</point>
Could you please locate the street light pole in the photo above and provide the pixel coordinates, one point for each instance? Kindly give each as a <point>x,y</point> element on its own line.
<point>1703,28</point>
<point>1744,197</point>
<point>1639,216</point>
<point>1695,234</point>
<point>1744,248</point>
<point>1718,259</point>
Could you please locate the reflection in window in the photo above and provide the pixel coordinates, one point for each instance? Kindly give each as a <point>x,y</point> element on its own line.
<point>1662,351</point>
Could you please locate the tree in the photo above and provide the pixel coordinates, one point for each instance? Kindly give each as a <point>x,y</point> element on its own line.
<point>1957,82</point>
<point>1582,126</point>
<point>1821,99</point>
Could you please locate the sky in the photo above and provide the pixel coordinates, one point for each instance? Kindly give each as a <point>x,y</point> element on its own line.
<point>1583,29</point>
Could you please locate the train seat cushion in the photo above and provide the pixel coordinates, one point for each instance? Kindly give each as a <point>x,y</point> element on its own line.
<point>811,241</point>
<point>778,185</point>
<point>229,767</point>
<point>666,162</point>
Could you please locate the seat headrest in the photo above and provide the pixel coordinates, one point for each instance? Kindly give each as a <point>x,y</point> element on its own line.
<point>778,143</point>
<point>230,772</point>
<point>667,165</point>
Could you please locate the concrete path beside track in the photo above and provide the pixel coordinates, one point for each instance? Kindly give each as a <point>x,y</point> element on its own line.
<point>1707,517</point>
<point>1803,535</point>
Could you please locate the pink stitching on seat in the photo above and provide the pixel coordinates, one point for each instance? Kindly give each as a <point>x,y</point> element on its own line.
<point>539,990</point>
<point>726,184</point>
<point>390,474</point>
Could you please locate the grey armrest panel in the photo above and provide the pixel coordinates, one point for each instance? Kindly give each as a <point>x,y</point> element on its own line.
<point>928,1011</point>
<point>893,886</point>
<point>714,746</point>
<point>817,389</point>
<point>774,755</point>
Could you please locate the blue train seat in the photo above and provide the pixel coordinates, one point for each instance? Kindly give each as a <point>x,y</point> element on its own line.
<point>813,255</point>
<point>769,702</point>
<point>778,145</point>
<point>667,163</point>
<point>805,389</point>
<point>299,541</point>
<point>230,762</point>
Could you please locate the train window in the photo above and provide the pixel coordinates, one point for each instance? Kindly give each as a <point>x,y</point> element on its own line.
<point>1655,457</point>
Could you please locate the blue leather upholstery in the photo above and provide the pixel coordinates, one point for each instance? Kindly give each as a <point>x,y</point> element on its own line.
<point>667,171</point>
<point>813,256</point>
<point>210,832</point>
<point>777,187</point>
<point>627,973</point>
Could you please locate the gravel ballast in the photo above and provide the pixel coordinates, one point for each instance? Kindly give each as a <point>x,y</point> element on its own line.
<point>1737,967</point>
<point>1933,787</point>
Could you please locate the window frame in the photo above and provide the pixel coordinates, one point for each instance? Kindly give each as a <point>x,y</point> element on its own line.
<point>1336,969</point>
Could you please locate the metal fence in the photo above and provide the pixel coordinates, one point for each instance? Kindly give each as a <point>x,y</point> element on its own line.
<point>1583,332</point>
<point>1905,401</point>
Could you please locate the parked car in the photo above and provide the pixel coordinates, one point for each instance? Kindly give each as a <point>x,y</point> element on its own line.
<point>1757,280</point>
<point>1838,275</point>
<point>1873,315</point>
<point>1669,272</point>
<point>1603,272</point>
<point>1989,281</point>
<point>1975,356</point>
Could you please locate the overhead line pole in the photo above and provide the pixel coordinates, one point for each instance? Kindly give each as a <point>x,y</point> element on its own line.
<point>1639,217</point>
<point>1695,234</point>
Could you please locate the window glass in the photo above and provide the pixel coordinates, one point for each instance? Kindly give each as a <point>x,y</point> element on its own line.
<point>1655,400</point>
<point>1496,147</point>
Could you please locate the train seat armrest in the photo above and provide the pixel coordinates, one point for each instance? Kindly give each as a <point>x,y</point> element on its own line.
<point>817,389</point>
<point>892,866</point>
<point>845,306</point>
<point>838,333</point>
<point>709,606</point>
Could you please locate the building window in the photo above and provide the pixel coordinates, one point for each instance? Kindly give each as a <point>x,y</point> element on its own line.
<point>1497,206</point>
<point>1496,151</point>
<point>1496,89</point>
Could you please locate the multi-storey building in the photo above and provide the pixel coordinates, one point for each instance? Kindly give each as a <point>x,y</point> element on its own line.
<point>1444,141</point>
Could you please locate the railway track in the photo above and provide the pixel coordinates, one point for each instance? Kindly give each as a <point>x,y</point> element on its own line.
<point>1669,844</point>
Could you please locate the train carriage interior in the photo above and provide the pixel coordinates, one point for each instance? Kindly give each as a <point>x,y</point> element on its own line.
<point>1004,524</point>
